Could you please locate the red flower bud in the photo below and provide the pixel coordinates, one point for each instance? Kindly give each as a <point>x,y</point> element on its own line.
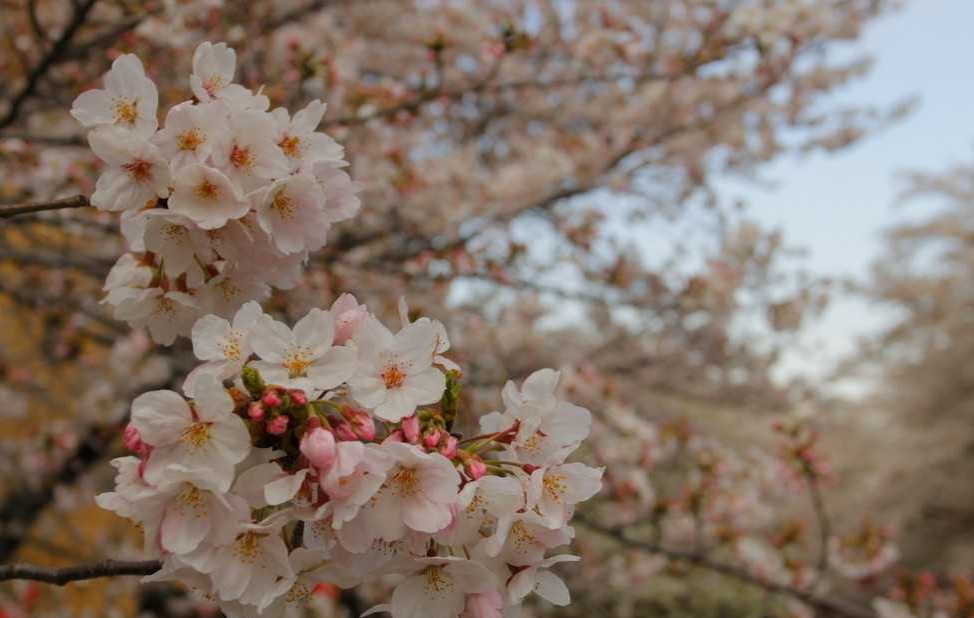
<point>318,445</point>
<point>277,426</point>
<point>410,429</point>
<point>449,447</point>
<point>271,399</point>
<point>256,411</point>
<point>474,467</point>
<point>343,431</point>
<point>298,397</point>
<point>431,437</point>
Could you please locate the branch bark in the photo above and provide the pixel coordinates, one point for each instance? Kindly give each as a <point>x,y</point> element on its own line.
<point>828,607</point>
<point>75,201</point>
<point>81,572</point>
<point>20,509</point>
<point>52,57</point>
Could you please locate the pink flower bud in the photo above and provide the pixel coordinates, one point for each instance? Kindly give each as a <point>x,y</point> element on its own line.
<point>349,315</point>
<point>410,429</point>
<point>395,436</point>
<point>256,411</point>
<point>363,425</point>
<point>271,399</point>
<point>449,447</point>
<point>343,431</point>
<point>298,397</point>
<point>431,437</point>
<point>277,426</point>
<point>474,467</point>
<point>318,445</point>
<point>132,438</point>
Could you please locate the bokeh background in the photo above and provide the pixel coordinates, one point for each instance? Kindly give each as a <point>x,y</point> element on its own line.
<point>743,230</point>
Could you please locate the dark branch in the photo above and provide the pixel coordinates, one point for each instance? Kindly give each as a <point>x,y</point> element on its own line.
<point>20,509</point>
<point>828,607</point>
<point>81,572</point>
<point>823,522</point>
<point>76,201</point>
<point>50,59</point>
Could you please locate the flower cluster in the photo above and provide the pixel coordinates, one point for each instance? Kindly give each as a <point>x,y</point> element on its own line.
<point>326,453</point>
<point>223,202</point>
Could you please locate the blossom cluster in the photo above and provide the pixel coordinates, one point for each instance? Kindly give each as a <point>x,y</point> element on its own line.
<point>327,453</point>
<point>222,203</point>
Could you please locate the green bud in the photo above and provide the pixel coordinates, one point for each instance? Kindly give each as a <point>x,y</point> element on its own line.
<point>253,382</point>
<point>450,404</point>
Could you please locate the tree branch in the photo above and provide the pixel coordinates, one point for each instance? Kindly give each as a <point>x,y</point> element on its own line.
<point>829,607</point>
<point>50,59</point>
<point>823,522</point>
<point>20,508</point>
<point>75,201</point>
<point>487,87</point>
<point>81,572</point>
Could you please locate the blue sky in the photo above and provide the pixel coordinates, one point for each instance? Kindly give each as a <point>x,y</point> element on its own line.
<point>836,205</point>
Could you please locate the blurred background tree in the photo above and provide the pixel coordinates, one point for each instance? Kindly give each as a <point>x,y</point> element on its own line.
<point>541,177</point>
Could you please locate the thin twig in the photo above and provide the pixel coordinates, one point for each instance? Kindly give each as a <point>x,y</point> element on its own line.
<point>486,87</point>
<point>51,58</point>
<point>81,572</point>
<point>824,525</point>
<point>832,607</point>
<point>75,201</point>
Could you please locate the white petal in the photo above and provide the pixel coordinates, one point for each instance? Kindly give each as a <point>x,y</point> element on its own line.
<point>160,416</point>
<point>270,339</point>
<point>315,331</point>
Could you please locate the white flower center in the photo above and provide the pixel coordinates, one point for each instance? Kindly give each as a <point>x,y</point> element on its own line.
<point>520,537</point>
<point>231,346</point>
<point>291,145</point>
<point>437,583</point>
<point>297,360</point>
<point>197,434</point>
<point>405,482</point>
<point>126,110</point>
<point>139,170</point>
<point>283,204</point>
<point>190,139</point>
<point>165,306</point>
<point>247,547</point>
<point>554,485</point>
<point>206,190</point>
<point>212,83</point>
<point>192,498</point>
<point>240,157</point>
<point>393,375</point>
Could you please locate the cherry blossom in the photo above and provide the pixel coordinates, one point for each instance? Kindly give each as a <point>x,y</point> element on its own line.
<point>129,100</point>
<point>201,442</point>
<point>304,357</point>
<point>189,133</point>
<point>136,173</point>
<point>395,373</point>
<point>440,587</point>
<point>248,153</point>
<point>206,196</point>
<point>220,482</point>
<point>292,212</point>
<point>223,345</point>
<point>213,69</point>
<point>554,491</point>
<point>227,200</point>
<point>299,141</point>
<point>539,579</point>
